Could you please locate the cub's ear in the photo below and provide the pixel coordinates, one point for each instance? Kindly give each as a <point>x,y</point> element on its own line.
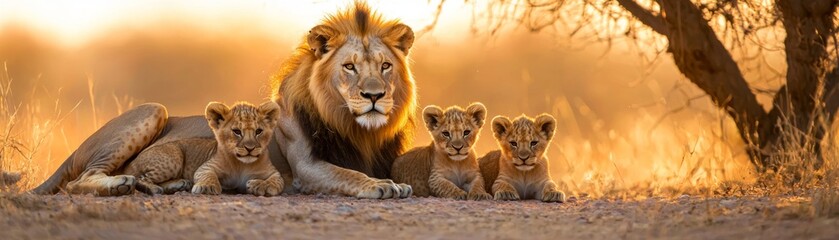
<point>477,112</point>
<point>432,115</point>
<point>546,124</point>
<point>319,39</point>
<point>270,112</point>
<point>501,126</point>
<point>216,114</point>
<point>401,37</point>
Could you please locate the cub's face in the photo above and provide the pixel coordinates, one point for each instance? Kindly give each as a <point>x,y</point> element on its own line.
<point>244,130</point>
<point>524,140</point>
<point>454,130</point>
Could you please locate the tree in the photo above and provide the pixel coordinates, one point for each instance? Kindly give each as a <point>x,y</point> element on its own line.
<point>700,36</point>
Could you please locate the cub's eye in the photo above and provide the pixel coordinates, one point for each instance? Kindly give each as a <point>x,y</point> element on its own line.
<point>446,134</point>
<point>533,143</point>
<point>466,133</point>
<point>386,66</point>
<point>237,132</point>
<point>349,66</point>
<point>258,131</point>
<point>514,144</point>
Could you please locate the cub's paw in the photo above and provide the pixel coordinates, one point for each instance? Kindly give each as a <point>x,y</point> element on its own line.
<point>267,188</point>
<point>506,195</point>
<point>210,189</point>
<point>180,185</point>
<point>148,188</point>
<point>478,196</point>
<point>553,196</point>
<point>383,189</point>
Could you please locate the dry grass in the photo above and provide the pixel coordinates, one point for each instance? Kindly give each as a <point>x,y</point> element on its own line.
<point>653,159</point>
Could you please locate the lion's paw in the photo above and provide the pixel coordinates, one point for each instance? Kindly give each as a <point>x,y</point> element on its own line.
<point>506,195</point>
<point>119,185</point>
<point>383,189</point>
<point>553,196</point>
<point>211,189</point>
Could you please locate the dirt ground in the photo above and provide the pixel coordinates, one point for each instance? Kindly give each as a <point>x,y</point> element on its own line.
<point>187,216</point>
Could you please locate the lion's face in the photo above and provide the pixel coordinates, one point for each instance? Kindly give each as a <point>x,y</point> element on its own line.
<point>364,76</point>
<point>524,140</point>
<point>454,130</point>
<point>244,130</point>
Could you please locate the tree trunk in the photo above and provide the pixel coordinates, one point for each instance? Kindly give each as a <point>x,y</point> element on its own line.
<point>804,106</point>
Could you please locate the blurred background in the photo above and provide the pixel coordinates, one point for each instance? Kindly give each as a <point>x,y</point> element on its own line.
<point>626,120</point>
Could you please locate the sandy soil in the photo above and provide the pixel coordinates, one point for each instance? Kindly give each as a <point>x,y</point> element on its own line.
<point>186,216</point>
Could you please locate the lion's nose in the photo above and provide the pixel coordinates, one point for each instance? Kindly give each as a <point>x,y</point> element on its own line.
<point>373,96</point>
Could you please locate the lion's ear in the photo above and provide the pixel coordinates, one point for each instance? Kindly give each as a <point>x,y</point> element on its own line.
<point>432,115</point>
<point>216,114</point>
<point>546,124</point>
<point>501,126</point>
<point>477,112</point>
<point>401,36</point>
<point>270,112</point>
<point>318,39</point>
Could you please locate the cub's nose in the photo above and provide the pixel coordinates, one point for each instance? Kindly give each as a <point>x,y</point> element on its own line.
<point>373,96</point>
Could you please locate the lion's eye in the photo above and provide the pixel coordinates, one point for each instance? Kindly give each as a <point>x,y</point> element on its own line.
<point>386,66</point>
<point>349,66</point>
<point>258,131</point>
<point>514,144</point>
<point>237,132</point>
<point>446,134</point>
<point>533,144</point>
<point>466,133</point>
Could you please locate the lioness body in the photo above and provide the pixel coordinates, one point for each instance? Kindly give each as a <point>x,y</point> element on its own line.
<point>169,167</point>
<point>453,171</point>
<point>520,169</point>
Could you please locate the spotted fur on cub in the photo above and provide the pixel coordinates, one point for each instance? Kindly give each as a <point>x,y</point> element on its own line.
<point>519,170</point>
<point>448,167</point>
<point>237,155</point>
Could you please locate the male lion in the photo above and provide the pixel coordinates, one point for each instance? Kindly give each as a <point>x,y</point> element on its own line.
<point>348,103</point>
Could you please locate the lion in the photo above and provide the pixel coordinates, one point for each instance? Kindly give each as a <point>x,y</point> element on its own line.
<point>351,99</point>
<point>448,167</point>
<point>240,133</point>
<point>519,170</point>
<point>347,98</point>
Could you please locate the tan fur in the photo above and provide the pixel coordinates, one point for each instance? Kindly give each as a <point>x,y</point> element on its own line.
<point>170,167</point>
<point>318,80</point>
<point>240,162</point>
<point>520,169</point>
<point>454,171</point>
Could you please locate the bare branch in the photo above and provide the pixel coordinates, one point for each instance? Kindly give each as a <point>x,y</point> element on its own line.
<point>645,16</point>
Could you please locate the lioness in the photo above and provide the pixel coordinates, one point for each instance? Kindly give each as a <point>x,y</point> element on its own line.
<point>241,133</point>
<point>448,166</point>
<point>520,169</point>
<point>348,100</point>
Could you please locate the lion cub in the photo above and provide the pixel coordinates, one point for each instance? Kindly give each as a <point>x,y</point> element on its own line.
<point>448,167</point>
<point>240,132</point>
<point>520,169</point>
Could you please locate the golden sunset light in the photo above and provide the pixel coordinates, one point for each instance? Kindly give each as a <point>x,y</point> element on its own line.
<point>536,119</point>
